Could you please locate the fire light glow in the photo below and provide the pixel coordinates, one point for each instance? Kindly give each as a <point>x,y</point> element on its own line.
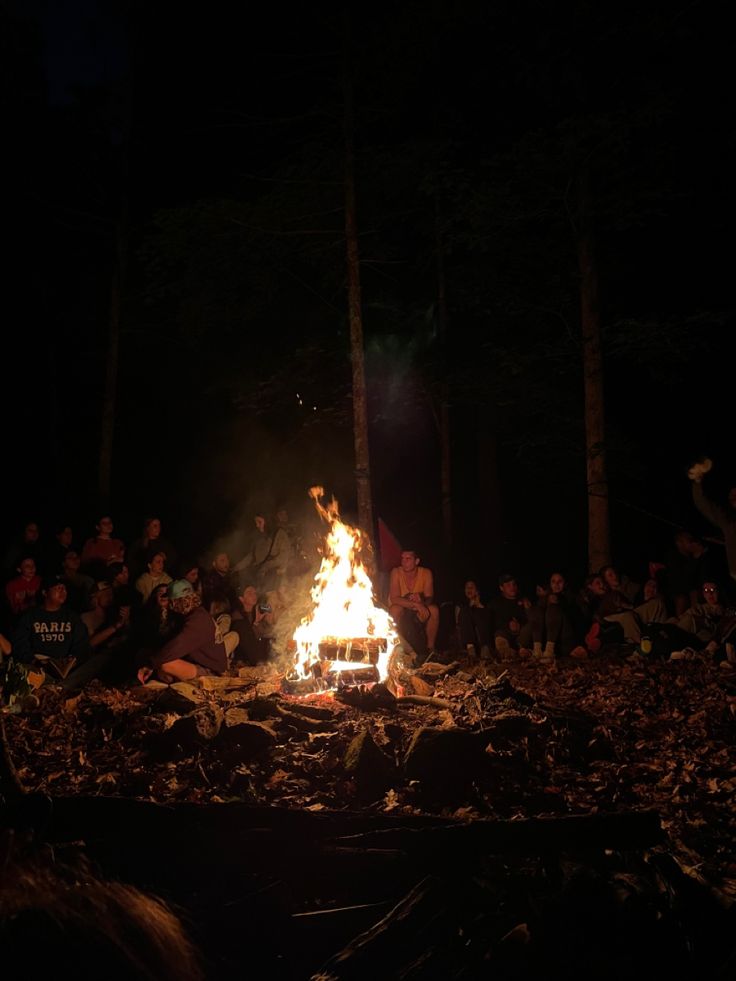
<point>344,613</point>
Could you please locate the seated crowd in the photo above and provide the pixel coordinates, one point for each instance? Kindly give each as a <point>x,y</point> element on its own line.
<point>115,613</point>
<point>686,603</point>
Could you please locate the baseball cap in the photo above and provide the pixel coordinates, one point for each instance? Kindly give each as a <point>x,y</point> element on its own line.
<point>506,577</point>
<point>180,588</point>
<point>48,582</point>
<point>100,587</point>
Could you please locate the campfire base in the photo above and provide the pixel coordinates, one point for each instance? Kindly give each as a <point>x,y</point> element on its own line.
<point>332,675</point>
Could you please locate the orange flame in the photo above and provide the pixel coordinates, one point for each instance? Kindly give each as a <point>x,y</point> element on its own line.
<point>344,611</point>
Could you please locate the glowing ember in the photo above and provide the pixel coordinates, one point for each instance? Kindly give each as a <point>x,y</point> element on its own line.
<point>344,616</point>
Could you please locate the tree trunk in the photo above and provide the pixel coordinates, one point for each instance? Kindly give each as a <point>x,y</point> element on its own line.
<point>111,373</point>
<point>444,413</point>
<point>360,406</point>
<point>489,521</point>
<point>595,436</point>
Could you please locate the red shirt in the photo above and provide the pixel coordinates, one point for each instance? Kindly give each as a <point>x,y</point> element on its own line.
<point>103,550</point>
<point>22,593</point>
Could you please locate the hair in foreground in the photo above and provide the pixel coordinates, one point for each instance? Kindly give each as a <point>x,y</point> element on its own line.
<point>74,925</point>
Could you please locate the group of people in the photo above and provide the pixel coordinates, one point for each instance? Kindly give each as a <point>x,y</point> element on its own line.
<point>686,603</point>
<point>114,612</point>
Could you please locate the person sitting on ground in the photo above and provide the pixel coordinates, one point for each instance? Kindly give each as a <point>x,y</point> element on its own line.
<point>266,561</point>
<point>688,564</point>
<point>615,607</point>
<point>156,575</point>
<point>512,633</point>
<point>55,551</point>
<point>78,585</point>
<point>197,649</point>
<point>649,591</point>
<point>555,622</point>
<point>253,622</point>
<point>619,583</point>
<point>589,599</point>
<point>597,631</point>
<point>27,546</point>
<point>190,570</point>
<point>151,540</point>
<point>474,622</point>
<point>220,581</point>
<point>118,574</point>
<point>412,606</point>
<point>109,640</point>
<point>707,626</point>
<point>219,609</point>
<point>704,617</point>
<point>51,629</point>
<point>107,625</point>
<point>22,592</point>
<point>102,550</point>
<point>157,623</point>
<point>722,517</point>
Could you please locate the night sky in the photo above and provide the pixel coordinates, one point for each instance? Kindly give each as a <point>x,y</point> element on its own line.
<point>217,134</point>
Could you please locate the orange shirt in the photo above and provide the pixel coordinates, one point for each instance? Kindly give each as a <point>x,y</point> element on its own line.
<point>421,582</point>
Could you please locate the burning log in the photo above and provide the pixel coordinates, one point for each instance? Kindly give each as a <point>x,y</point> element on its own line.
<point>373,698</point>
<point>438,703</point>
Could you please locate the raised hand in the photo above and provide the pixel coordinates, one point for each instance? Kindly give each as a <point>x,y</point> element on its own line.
<point>700,469</point>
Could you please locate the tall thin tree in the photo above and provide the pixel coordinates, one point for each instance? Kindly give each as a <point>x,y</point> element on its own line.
<point>599,548</point>
<point>357,353</point>
<point>109,404</point>
<point>444,393</point>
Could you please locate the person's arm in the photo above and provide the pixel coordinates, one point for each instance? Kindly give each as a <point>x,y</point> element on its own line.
<point>10,594</point>
<point>181,644</point>
<point>5,646</point>
<point>105,634</point>
<point>22,649</point>
<point>429,591</point>
<point>79,647</point>
<point>244,563</point>
<point>716,514</point>
<point>88,552</point>
<point>119,555</point>
<point>279,551</point>
<point>394,593</point>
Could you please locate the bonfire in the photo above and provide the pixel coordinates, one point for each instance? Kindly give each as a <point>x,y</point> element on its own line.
<point>345,631</point>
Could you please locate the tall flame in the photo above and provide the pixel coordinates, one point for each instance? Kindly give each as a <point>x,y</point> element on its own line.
<point>344,611</point>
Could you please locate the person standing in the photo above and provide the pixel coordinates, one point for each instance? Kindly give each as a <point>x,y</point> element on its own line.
<point>722,517</point>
